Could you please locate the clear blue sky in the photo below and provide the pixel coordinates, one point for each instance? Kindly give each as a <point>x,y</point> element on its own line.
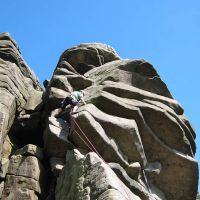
<point>166,33</point>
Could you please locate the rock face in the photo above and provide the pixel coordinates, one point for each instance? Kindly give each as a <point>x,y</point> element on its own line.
<point>18,85</point>
<point>82,171</point>
<point>130,141</point>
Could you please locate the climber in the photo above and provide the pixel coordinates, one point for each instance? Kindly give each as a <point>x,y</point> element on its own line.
<point>74,100</point>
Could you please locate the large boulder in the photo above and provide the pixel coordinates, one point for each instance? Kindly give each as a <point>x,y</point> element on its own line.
<point>87,56</point>
<point>131,121</point>
<point>132,90</point>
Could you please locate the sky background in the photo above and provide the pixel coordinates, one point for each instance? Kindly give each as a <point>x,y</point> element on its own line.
<point>165,33</point>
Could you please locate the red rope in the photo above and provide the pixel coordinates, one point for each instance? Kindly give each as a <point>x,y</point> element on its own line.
<point>92,148</point>
<point>84,141</point>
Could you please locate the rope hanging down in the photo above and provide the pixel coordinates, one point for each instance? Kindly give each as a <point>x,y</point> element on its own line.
<point>93,149</point>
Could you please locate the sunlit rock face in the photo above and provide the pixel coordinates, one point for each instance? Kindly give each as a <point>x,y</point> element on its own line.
<point>18,85</point>
<point>130,141</point>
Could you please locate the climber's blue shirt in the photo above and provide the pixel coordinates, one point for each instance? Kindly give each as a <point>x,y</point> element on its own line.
<point>76,95</point>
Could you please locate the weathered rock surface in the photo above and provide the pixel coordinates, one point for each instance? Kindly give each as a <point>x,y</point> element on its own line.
<point>88,177</point>
<point>130,141</point>
<point>56,140</point>
<point>26,175</point>
<point>17,85</point>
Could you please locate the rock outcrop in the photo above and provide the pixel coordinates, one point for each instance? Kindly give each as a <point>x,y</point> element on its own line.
<point>130,141</point>
<point>18,85</point>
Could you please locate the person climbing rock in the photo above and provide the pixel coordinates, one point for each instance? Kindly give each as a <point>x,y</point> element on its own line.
<point>74,99</point>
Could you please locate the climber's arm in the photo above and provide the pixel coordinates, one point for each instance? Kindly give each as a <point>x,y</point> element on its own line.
<point>83,101</point>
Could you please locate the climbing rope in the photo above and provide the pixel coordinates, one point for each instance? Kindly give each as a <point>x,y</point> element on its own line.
<point>93,149</point>
<point>146,181</point>
<point>90,143</point>
<point>83,141</point>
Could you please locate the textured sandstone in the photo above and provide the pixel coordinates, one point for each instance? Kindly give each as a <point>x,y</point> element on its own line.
<point>56,135</point>
<point>26,175</point>
<point>92,179</point>
<point>143,145</point>
<point>17,83</point>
